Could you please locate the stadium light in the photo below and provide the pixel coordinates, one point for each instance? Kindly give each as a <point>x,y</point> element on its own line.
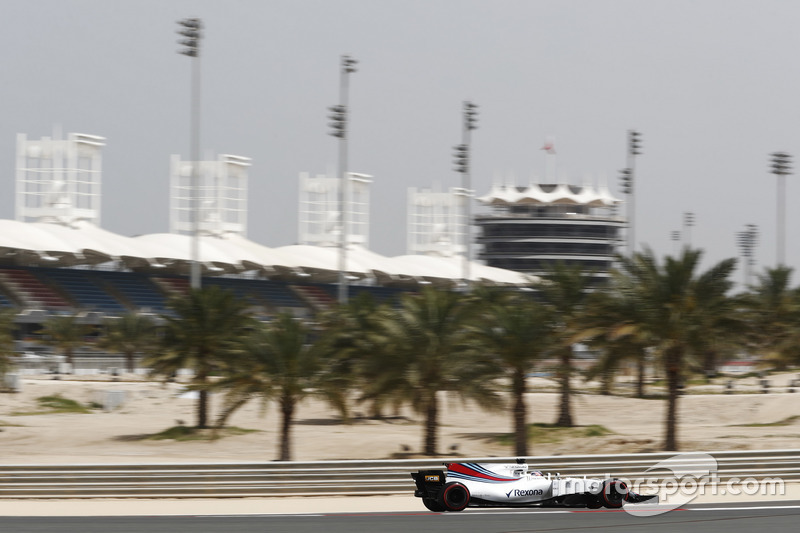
<point>625,179</point>
<point>461,158</point>
<point>629,176</point>
<point>688,224</point>
<point>339,122</point>
<point>676,237</point>
<point>781,167</point>
<point>747,240</point>
<point>462,163</point>
<point>191,29</point>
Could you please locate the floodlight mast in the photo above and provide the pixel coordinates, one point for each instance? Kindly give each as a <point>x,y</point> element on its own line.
<point>191,29</point>
<point>628,187</point>
<point>747,240</point>
<point>462,160</point>
<point>338,124</point>
<point>781,166</point>
<point>688,224</point>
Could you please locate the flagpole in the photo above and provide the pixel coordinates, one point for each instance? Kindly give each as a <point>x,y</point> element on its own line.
<point>550,150</point>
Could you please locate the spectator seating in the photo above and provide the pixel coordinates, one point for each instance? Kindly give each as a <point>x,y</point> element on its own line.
<point>259,292</point>
<point>31,291</point>
<point>137,290</point>
<point>113,293</point>
<point>84,287</point>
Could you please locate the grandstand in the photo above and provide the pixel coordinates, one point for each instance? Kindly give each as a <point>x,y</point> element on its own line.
<point>105,293</point>
<point>55,258</point>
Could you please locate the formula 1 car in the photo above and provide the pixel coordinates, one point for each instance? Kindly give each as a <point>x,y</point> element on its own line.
<point>513,485</point>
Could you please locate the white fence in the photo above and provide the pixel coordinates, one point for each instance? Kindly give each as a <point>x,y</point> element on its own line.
<point>345,478</point>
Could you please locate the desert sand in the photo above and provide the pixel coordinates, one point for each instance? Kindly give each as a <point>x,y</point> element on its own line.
<point>709,421</point>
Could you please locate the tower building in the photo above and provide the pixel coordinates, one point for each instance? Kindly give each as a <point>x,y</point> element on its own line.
<point>527,229</point>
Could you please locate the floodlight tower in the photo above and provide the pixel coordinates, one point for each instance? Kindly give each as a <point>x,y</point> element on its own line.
<point>339,118</point>
<point>191,29</point>
<point>688,224</point>
<point>461,158</point>
<point>628,179</point>
<point>747,240</point>
<point>676,237</point>
<point>781,167</point>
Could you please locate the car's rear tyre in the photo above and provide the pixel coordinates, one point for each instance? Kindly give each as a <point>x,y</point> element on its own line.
<point>615,493</point>
<point>454,497</point>
<point>433,505</point>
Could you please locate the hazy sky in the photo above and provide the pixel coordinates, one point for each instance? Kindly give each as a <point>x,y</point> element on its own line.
<point>714,87</point>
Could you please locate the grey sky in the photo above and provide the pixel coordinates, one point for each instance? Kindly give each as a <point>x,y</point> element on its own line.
<point>714,86</point>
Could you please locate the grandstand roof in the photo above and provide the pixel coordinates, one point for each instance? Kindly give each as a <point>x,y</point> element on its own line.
<point>83,243</point>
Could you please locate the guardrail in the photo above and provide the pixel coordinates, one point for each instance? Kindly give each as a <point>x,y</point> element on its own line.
<point>343,478</point>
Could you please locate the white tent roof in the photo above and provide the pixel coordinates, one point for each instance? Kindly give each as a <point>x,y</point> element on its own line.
<point>84,243</point>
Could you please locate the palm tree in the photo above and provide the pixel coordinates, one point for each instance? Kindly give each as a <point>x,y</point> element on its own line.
<point>774,309</point>
<point>722,328</point>
<point>64,332</point>
<point>200,333</point>
<point>129,334</point>
<point>347,342</point>
<point>517,331</point>
<point>425,350</point>
<point>676,301</point>
<point>565,288</point>
<point>277,361</point>
<point>613,323</point>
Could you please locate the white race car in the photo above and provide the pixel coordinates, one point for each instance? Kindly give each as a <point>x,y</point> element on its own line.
<point>514,485</point>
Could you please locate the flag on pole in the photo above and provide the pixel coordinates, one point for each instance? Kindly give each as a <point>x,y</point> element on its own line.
<point>549,146</point>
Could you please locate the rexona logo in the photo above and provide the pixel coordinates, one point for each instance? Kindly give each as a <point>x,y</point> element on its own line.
<point>516,493</point>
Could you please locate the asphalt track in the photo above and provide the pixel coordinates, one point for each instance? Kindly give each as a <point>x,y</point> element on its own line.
<point>727,518</point>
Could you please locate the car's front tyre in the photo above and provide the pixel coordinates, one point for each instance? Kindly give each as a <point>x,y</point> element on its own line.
<point>615,493</point>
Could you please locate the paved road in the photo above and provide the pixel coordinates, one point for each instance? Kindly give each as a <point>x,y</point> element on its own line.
<point>783,516</point>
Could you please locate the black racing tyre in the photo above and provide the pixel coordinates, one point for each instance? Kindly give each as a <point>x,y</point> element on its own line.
<point>454,496</point>
<point>615,493</point>
<point>433,505</point>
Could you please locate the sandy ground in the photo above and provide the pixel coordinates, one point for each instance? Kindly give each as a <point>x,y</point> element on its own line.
<point>708,421</point>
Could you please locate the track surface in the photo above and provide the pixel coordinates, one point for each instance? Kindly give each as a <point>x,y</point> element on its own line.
<point>783,516</point>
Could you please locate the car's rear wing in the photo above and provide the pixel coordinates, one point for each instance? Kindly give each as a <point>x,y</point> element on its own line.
<point>428,482</point>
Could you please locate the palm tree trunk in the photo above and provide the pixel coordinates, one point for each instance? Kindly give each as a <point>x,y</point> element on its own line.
<point>520,415</point>
<point>565,414</point>
<point>202,406</point>
<point>640,368</point>
<point>710,363</point>
<point>431,425</point>
<point>605,382</point>
<point>202,409</point>
<point>672,362</point>
<point>287,413</point>
<point>129,362</point>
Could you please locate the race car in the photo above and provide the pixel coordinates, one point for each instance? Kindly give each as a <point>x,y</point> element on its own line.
<point>514,485</point>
